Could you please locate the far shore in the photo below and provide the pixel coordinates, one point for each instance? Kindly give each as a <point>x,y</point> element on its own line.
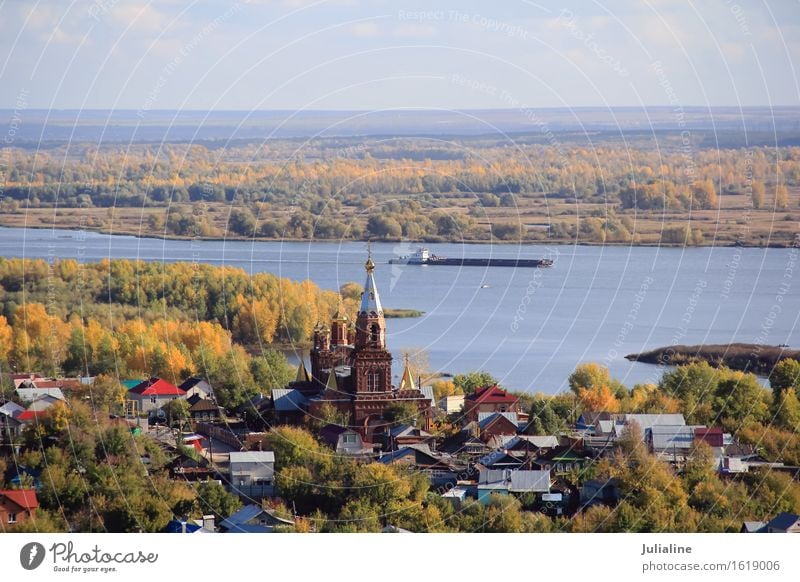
<point>424,241</point>
<point>755,358</point>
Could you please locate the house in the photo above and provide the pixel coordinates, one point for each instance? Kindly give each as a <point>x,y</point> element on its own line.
<point>504,482</point>
<point>646,422</point>
<point>197,386</point>
<point>497,424</point>
<point>456,496</point>
<point>130,383</point>
<point>30,416</point>
<point>604,491</point>
<point>29,394</point>
<point>252,473</point>
<point>254,519</point>
<point>154,393</point>
<point>671,442</point>
<point>343,440</point>
<point>713,437</point>
<point>439,468</point>
<point>451,404</point>
<point>43,403</point>
<point>501,459</point>
<point>783,523</point>
<point>18,379</point>
<point>406,434</point>
<point>562,459</point>
<point>522,445</point>
<point>290,405</point>
<point>753,527</point>
<point>203,410</point>
<point>17,506</point>
<point>489,399</point>
<point>186,468</point>
<point>465,443</point>
<point>10,425</point>
<point>206,525</point>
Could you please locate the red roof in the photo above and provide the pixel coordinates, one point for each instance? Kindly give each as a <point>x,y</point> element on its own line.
<point>30,415</point>
<point>157,387</point>
<point>491,395</point>
<point>25,498</point>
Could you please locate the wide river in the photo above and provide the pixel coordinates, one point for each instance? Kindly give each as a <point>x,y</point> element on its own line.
<point>528,327</point>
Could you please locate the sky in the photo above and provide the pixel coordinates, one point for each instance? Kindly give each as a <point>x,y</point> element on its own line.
<point>372,55</point>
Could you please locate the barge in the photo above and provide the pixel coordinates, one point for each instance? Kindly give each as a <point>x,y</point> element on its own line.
<point>423,256</point>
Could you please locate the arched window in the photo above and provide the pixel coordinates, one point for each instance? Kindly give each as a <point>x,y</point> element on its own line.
<point>375,333</point>
<point>373,381</point>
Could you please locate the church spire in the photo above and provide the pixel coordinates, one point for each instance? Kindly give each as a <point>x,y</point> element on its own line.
<point>331,384</point>
<point>370,300</point>
<point>302,373</point>
<point>407,380</point>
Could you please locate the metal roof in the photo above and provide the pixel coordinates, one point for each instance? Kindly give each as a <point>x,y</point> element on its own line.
<point>427,392</point>
<point>646,421</point>
<point>288,400</point>
<point>31,394</point>
<point>784,521</point>
<point>666,438</point>
<point>515,481</point>
<point>542,442</point>
<point>485,418</point>
<point>252,457</point>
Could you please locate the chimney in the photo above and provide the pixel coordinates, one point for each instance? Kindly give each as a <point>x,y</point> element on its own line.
<point>208,522</point>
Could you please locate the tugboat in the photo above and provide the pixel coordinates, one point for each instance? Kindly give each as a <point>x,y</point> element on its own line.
<point>423,256</point>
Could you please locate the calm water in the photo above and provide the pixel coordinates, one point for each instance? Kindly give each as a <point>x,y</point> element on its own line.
<point>529,327</point>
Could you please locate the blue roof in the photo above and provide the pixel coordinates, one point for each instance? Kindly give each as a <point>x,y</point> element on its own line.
<point>176,526</point>
<point>288,400</point>
<point>783,521</point>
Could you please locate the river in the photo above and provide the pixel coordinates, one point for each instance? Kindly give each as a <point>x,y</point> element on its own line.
<point>528,327</point>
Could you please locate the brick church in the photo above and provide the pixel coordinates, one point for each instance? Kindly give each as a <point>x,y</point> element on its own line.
<point>351,369</point>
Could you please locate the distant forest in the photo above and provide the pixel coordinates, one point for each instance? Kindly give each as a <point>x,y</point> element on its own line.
<point>674,189</point>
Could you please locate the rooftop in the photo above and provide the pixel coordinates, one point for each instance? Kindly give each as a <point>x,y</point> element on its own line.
<point>157,387</point>
<point>25,498</point>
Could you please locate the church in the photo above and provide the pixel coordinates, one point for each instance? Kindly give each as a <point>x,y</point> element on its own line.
<point>351,371</point>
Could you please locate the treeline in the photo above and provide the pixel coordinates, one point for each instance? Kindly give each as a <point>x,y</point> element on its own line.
<point>338,192</point>
<point>136,319</point>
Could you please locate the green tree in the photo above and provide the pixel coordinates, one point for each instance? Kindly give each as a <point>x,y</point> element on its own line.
<point>471,381</point>
<point>695,385</point>
<point>740,399</point>
<point>402,412</point>
<point>787,410</point>
<point>212,498</point>
<point>785,374</point>
<point>543,419</point>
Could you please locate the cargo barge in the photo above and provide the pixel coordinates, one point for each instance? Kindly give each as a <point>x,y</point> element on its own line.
<point>424,257</point>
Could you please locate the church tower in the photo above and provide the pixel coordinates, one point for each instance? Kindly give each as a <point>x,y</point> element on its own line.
<point>372,363</point>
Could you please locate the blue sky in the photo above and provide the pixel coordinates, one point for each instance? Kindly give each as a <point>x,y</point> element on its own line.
<point>353,54</point>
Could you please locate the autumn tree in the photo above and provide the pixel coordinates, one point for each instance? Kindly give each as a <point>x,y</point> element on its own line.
<point>757,195</point>
<point>781,197</point>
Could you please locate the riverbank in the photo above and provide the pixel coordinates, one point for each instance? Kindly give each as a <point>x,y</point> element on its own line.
<point>135,224</point>
<point>759,359</point>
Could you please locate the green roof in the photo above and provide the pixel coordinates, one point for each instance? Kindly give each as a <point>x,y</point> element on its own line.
<point>130,383</point>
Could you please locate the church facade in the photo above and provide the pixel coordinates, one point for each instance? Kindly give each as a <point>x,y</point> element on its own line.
<point>351,369</point>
